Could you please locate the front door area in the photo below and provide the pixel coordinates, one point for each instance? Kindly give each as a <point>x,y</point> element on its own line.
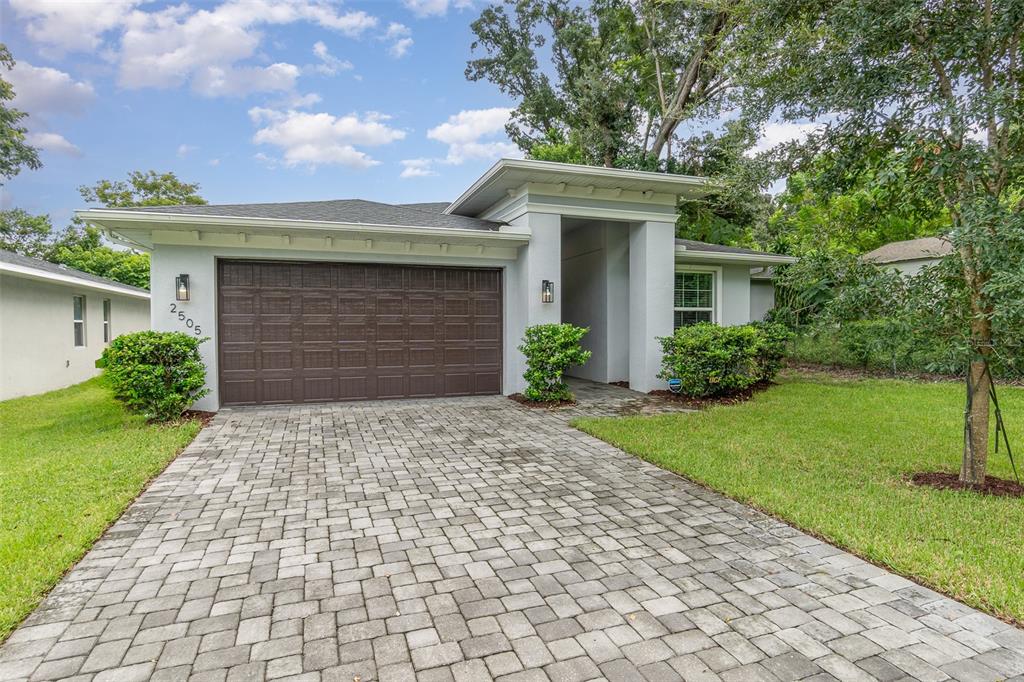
<point>300,332</point>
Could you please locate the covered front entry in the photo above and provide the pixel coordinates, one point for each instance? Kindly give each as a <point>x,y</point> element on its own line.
<point>298,332</point>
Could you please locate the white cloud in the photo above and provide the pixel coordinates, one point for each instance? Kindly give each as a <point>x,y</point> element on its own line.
<point>777,133</point>
<point>329,64</point>
<point>397,30</point>
<point>42,91</point>
<point>314,139</point>
<point>417,168</point>
<point>400,47</point>
<point>186,149</point>
<point>52,142</point>
<point>434,8</point>
<point>217,81</point>
<point>71,26</point>
<point>178,44</point>
<point>465,134</point>
<point>214,162</point>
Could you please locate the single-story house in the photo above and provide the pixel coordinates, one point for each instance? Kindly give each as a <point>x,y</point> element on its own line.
<point>56,321</point>
<point>352,299</point>
<point>908,257</point>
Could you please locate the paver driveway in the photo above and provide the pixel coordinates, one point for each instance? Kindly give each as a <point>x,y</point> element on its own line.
<point>471,539</point>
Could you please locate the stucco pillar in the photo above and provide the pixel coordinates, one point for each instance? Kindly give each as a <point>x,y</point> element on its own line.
<point>539,260</point>
<point>651,284</point>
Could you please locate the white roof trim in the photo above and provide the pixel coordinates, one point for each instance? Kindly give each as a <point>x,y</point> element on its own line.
<point>69,279</point>
<point>666,181</point>
<point>756,258</point>
<point>107,219</point>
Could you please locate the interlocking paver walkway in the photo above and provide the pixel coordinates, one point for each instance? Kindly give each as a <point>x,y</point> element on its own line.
<point>471,539</point>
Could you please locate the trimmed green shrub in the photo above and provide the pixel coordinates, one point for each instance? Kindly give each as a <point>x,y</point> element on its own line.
<point>550,349</point>
<point>158,374</point>
<point>710,360</point>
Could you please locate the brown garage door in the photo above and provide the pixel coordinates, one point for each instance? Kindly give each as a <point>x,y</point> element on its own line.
<point>308,332</point>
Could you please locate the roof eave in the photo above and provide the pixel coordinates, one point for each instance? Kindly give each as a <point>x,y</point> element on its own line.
<point>111,220</point>
<point>26,272</point>
<point>748,258</point>
<point>683,181</point>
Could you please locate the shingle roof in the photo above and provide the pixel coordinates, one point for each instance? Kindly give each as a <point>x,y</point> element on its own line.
<point>46,266</point>
<point>433,206</point>
<point>336,211</point>
<point>693,245</point>
<point>912,249</point>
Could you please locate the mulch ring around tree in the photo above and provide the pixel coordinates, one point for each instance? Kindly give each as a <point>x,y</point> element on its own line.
<point>731,398</point>
<point>548,405</point>
<point>944,480</point>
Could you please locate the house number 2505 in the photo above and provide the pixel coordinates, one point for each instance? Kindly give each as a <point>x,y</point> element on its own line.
<point>189,322</point>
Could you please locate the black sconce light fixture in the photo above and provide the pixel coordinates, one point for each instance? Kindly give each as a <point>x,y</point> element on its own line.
<point>547,291</point>
<point>181,288</point>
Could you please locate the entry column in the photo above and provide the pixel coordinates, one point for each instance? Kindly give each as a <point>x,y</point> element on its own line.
<point>651,287</point>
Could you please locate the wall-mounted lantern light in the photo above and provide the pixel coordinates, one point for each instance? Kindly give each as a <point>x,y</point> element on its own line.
<point>181,287</point>
<point>547,291</point>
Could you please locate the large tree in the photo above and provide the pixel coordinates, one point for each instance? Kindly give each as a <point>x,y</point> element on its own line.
<point>936,88</point>
<point>147,188</point>
<point>606,83</point>
<point>81,246</point>
<point>15,152</point>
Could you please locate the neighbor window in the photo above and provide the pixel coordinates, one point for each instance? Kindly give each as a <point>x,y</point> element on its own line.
<point>694,297</point>
<point>79,320</point>
<point>106,320</point>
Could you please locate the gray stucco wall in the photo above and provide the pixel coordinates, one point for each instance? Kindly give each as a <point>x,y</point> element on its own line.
<point>595,276</point>
<point>37,348</point>
<point>762,298</point>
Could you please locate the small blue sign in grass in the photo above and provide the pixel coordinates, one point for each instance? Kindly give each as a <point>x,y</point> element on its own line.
<point>675,385</point>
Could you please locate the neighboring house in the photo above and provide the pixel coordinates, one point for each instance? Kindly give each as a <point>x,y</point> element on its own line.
<point>55,323</point>
<point>351,299</point>
<point>908,257</point>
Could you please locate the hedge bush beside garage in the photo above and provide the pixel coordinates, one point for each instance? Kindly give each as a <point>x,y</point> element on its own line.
<point>157,374</point>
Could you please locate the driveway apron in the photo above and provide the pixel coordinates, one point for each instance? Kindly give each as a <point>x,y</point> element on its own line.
<point>474,539</point>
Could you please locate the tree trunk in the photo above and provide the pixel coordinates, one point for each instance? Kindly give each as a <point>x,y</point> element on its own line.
<point>975,459</point>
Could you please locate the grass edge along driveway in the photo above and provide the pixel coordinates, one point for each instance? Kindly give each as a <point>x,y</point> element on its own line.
<point>71,461</point>
<point>831,457</point>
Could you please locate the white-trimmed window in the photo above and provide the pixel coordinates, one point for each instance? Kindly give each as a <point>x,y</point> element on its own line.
<point>78,315</point>
<point>106,321</point>
<point>694,297</point>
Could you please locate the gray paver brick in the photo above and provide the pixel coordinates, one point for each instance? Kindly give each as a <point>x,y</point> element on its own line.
<point>470,539</point>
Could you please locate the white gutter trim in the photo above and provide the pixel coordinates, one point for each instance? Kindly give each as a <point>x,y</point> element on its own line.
<point>734,257</point>
<point>191,221</point>
<point>572,168</point>
<point>33,273</point>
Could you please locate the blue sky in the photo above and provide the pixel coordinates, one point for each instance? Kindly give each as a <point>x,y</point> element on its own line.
<point>255,100</point>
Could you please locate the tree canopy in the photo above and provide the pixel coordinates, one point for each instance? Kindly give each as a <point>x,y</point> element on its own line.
<point>15,152</point>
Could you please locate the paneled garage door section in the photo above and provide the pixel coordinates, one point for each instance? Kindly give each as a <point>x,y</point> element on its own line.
<point>313,332</point>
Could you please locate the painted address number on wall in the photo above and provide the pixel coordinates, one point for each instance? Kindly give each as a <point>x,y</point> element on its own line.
<point>189,322</point>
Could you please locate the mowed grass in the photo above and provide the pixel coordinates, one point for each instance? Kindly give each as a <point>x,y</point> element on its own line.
<point>831,456</point>
<point>70,462</point>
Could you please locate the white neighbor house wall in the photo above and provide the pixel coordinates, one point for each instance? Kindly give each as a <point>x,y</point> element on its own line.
<point>37,346</point>
<point>200,264</point>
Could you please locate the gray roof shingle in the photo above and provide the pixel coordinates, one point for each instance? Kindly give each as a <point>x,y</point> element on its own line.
<point>46,266</point>
<point>693,245</point>
<point>911,249</point>
<point>357,211</point>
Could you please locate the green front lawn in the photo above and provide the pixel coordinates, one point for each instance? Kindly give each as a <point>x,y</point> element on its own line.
<point>70,462</point>
<point>831,456</point>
